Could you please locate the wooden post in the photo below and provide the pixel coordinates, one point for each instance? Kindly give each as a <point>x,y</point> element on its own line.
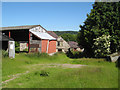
<point>29,43</point>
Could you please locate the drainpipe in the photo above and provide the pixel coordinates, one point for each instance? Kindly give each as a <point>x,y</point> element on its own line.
<point>47,46</point>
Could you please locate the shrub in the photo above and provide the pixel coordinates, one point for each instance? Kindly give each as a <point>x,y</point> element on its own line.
<point>75,54</point>
<point>4,53</point>
<point>44,73</point>
<point>17,46</point>
<point>25,50</point>
<point>101,46</point>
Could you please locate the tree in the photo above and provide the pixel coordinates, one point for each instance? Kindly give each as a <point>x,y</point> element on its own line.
<point>69,37</point>
<point>102,20</point>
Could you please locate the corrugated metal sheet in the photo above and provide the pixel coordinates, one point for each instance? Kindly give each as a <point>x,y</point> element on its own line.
<point>73,44</point>
<point>42,35</point>
<point>53,34</point>
<point>20,27</point>
<point>34,46</point>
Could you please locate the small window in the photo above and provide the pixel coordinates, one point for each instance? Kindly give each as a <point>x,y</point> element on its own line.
<point>58,44</point>
<point>59,50</point>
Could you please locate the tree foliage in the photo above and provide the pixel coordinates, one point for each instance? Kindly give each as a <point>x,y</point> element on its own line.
<point>17,46</point>
<point>102,20</point>
<point>63,32</point>
<point>69,37</point>
<point>101,46</point>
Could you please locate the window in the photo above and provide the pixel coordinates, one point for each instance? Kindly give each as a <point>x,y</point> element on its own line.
<point>58,44</point>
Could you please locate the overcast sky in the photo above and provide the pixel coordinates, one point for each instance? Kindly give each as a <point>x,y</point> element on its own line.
<point>52,16</point>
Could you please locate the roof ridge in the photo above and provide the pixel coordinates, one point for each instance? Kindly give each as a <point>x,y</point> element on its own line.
<point>23,25</point>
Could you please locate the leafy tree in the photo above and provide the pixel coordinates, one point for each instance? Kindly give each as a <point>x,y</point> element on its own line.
<point>69,37</point>
<point>103,19</point>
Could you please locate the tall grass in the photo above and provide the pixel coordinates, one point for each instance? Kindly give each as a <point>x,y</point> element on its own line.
<point>96,74</point>
<point>4,53</point>
<point>88,77</point>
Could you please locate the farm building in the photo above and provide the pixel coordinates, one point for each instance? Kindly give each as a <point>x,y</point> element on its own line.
<point>61,44</point>
<point>32,37</point>
<point>6,42</point>
<point>74,46</point>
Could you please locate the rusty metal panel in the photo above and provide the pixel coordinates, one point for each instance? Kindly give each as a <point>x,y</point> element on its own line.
<point>34,46</point>
<point>35,41</point>
<point>38,42</point>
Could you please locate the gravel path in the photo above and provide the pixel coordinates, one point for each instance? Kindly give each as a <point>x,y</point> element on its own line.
<point>14,77</point>
<point>62,65</point>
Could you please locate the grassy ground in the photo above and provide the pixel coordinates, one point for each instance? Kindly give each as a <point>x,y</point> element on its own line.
<point>45,71</point>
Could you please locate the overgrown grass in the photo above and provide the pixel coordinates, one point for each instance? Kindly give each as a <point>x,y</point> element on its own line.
<point>4,53</point>
<point>97,74</point>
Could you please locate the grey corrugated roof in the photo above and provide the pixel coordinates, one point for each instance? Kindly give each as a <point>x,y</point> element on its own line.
<point>19,27</point>
<point>53,34</point>
<point>73,44</point>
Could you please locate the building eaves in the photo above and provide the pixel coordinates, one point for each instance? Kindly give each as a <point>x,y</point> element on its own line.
<point>20,27</point>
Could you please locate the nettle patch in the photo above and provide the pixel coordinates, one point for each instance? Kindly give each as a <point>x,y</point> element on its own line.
<point>42,73</point>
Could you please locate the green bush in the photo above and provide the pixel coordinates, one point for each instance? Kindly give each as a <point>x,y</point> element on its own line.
<point>41,73</point>
<point>75,54</point>
<point>44,73</point>
<point>101,46</point>
<point>17,46</point>
<point>25,50</point>
<point>4,53</point>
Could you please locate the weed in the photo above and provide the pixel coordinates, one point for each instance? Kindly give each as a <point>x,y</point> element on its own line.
<point>44,73</point>
<point>4,53</point>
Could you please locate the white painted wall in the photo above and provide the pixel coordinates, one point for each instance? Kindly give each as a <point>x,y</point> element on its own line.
<point>38,29</point>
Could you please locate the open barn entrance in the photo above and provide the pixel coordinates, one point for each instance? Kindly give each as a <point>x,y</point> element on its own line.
<point>21,38</point>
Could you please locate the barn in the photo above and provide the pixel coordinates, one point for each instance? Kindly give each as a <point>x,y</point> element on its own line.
<point>62,45</point>
<point>32,37</point>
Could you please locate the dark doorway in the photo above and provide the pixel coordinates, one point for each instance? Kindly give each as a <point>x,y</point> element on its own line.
<point>59,50</point>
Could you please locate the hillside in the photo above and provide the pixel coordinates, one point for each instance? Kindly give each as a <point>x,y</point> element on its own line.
<point>63,32</point>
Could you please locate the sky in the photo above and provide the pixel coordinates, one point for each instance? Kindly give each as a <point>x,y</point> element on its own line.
<point>53,16</point>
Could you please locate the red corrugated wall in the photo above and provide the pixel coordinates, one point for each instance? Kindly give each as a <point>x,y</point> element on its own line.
<point>44,46</point>
<point>52,47</point>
